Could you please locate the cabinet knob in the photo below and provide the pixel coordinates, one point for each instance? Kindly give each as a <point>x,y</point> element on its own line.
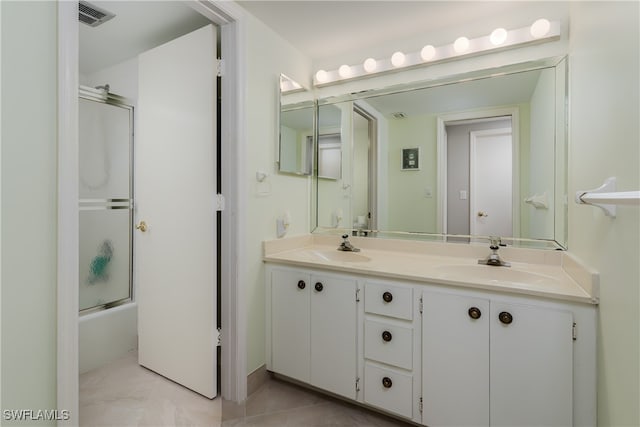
<point>475,313</point>
<point>505,317</point>
<point>386,336</point>
<point>386,382</point>
<point>319,287</point>
<point>387,296</point>
<point>301,284</point>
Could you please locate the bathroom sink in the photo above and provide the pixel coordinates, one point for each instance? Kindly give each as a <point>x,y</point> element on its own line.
<point>496,275</point>
<point>336,256</point>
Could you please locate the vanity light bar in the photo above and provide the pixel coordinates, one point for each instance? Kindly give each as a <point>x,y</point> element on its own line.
<point>540,31</point>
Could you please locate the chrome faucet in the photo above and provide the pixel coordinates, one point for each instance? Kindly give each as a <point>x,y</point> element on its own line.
<point>493,258</point>
<point>346,245</point>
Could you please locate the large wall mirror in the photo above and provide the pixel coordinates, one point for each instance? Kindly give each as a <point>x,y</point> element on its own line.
<point>296,127</point>
<point>475,155</point>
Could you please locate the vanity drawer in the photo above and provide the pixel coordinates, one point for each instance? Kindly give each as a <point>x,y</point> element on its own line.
<point>388,343</point>
<point>388,389</point>
<point>388,300</point>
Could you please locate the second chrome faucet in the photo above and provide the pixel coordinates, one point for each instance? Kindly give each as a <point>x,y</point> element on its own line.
<point>346,245</point>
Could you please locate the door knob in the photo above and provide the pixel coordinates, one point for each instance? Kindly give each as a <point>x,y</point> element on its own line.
<point>319,287</point>
<point>301,284</point>
<point>142,226</point>
<point>387,296</point>
<point>386,336</point>
<point>482,214</point>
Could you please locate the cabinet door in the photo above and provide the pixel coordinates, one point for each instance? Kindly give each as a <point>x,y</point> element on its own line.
<point>455,360</point>
<point>333,335</point>
<point>531,366</point>
<point>290,304</point>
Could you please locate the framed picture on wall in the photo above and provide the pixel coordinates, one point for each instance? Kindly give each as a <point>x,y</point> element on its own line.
<point>411,159</point>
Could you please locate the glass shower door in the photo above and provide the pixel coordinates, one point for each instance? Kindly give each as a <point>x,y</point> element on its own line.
<point>105,158</point>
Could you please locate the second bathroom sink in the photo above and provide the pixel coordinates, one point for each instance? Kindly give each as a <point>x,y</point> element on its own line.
<point>336,256</point>
<point>497,275</point>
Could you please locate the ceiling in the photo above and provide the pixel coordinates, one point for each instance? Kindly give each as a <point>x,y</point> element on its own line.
<point>137,27</point>
<point>507,89</point>
<point>511,89</point>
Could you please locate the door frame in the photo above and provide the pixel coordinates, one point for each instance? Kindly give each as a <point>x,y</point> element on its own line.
<point>372,164</point>
<point>443,120</point>
<point>231,20</point>
<point>473,135</point>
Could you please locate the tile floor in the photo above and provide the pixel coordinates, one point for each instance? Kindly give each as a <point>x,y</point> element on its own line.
<point>125,394</point>
<point>279,403</point>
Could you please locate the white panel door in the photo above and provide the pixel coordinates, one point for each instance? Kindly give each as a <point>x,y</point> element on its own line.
<point>531,366</point>
<point>455,360</point>
<point>175,165</point>
<point>490,183</point>
<point>333,335</point>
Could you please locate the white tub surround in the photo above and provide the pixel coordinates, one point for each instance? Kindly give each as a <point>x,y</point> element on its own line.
<point>107,335</point>
<point>534,272</point>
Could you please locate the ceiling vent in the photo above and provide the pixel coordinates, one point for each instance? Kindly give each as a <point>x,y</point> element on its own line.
<point>399,115</point>
<point>92,15</point>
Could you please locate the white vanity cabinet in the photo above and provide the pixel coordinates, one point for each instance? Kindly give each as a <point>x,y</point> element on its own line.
<point>492,362</point>
<point>312,333</point>
<point>391,348</point>
<point>434,354</point>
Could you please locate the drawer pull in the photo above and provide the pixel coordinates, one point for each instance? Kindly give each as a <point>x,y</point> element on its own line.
<point>386,336</point>
<point>387,296</point>
<point>386,382</point>
<point>301,284</point>
<point>319,287</point>
<point>505,317</point>
<point>475,313</point>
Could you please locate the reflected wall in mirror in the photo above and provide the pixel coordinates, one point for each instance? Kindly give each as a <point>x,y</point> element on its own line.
<point>346,173</point>
<point>295,135</point>
<point>493,157</point>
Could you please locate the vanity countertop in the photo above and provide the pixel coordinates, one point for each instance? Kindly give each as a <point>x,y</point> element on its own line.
<point>542,273</point>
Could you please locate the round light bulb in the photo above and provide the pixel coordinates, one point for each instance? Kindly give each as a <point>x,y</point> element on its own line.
<point>498,36</point>
<point>428,52</point>
<point>322,76</point>
<point>397,59</point>
<point>370,65</point>
<point>344,71</point>
<point>461,44</point>
<point>540,28</point>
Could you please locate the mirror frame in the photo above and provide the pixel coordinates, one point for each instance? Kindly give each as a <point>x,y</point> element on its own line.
<point>561,130</point>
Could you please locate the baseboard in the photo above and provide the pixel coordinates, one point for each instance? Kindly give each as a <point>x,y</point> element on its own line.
<point>256,379</point>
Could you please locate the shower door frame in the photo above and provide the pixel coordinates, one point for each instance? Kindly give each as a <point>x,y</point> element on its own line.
<point>95,95</point>
<point>231,19</point>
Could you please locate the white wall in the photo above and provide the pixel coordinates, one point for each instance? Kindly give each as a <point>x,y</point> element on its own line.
<point>541,155</point>
<point>409,207</point>
<point>605,141</point>
<point>122,79</point>
<point>268,55</point>
<point>29,207</point>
